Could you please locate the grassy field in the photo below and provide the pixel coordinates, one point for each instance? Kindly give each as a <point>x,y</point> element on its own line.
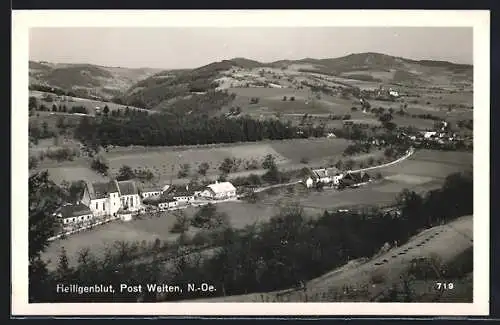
<point>271,102</point>
<point>163,161</point>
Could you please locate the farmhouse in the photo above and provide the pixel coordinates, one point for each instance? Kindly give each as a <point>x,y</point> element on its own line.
<point>103,198</point>
<point>129,195</point>
<point>219,191</point>
<point>393,93</point>
<point>152,191</point>
<point>354,178</point>
<point>74,213</point>
<point>180,193</point>
<point>165,202</point>
<point>327,175</point>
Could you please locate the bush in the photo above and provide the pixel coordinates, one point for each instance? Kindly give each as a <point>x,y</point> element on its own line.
<point>304,160</point>
<point>100,165</point>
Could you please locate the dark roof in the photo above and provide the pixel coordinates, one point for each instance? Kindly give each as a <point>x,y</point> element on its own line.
<point>127,188</point>
<point>100,190</point>
<point>356,176</point>
<point>180,190</point>
<point>73,210</point>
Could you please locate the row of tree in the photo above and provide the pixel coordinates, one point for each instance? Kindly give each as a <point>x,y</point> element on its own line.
<point>165,130</point>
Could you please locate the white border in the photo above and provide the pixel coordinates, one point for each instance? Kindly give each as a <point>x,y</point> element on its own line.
<point>23,20</point>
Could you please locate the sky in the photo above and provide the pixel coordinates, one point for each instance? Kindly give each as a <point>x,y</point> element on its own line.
<point>191,47</point>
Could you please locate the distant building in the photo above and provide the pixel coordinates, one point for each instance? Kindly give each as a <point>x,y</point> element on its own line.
<point>327,175</point>
<point>354,178</point>
<point>152,191</point>
<point>219,191</point>
<point>429,134</point>
<point>180,193</point>
<point>393,93</point>
<point>309,182</point>
<point>74,213</point>
<point>103,198</point>
<point>129,196</point>
<point>107,198</point>
<point>165,202</point>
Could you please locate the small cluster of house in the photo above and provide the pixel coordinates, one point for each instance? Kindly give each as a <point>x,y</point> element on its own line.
<point>335,178</point>
<point>440,137</point>
<point>124,198</point>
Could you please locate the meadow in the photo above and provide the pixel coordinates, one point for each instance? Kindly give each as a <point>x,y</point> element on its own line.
<point>165,162</point>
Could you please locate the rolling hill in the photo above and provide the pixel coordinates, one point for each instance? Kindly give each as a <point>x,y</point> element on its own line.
<point>159,90</point>
<point>162,89</point>
<point>87,79</point>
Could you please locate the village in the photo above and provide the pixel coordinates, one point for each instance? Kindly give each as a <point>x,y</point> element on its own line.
<point>103,202</point>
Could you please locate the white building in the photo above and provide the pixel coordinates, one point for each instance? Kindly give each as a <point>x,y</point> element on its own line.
<point>129,196</point>
<point>103,198</point>
<point>179,193</point>
<point>152,191</point>
<point>429,134</point>
<point>74,213</point>
<point>327,175</point>
<point>107,198</point>
<point>393,93</point>
<point>309,182</point>
<point>167,203</point>
<point>219,191</point>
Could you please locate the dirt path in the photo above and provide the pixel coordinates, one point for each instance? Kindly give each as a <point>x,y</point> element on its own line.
<point>446,242</point>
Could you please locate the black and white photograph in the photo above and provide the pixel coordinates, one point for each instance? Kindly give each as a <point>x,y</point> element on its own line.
<point>235,159</point>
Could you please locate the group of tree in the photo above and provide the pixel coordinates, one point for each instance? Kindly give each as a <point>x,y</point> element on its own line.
<point>100,165</point>
<point>357,148</point>
<point>53,90</point>
<point>36,133</point>
<point>59,154</point>
<point>165,130</point>
<point>35,105</point>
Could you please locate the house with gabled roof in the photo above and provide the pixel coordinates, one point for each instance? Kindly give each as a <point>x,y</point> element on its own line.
<point>103,198</point>
<point>151,191</point>
<point>129,196</point>
<point>354,178</point>
<point>74,213</point>
<point>327,175</point>
<point>219,191</point>
<point>180,193</point>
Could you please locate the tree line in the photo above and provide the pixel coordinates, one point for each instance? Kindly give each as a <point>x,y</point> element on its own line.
<point>288,249</point>
<point>166,130</point>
